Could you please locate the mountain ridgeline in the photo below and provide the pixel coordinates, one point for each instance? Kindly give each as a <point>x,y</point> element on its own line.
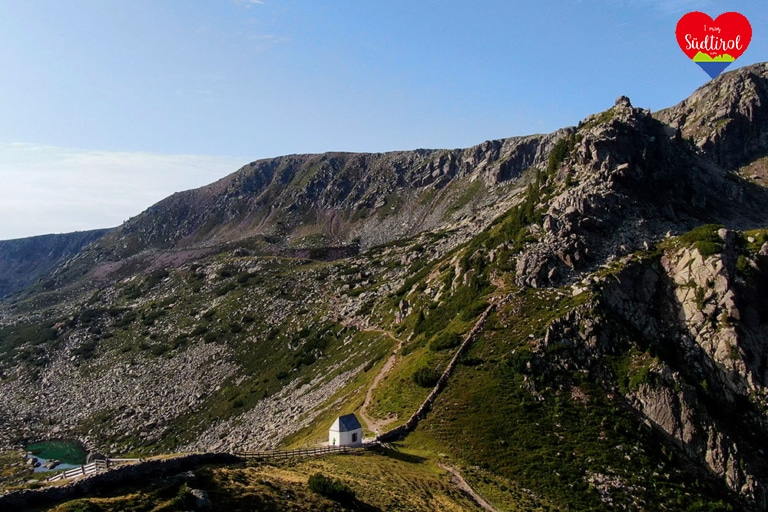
<point>25,260</point>
<point>590,305</point>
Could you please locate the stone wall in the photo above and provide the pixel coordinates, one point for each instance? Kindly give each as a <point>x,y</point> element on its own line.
<point>80,488</point>
<point>421,412</point>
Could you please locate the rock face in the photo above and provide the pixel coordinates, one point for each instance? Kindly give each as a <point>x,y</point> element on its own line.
<point>300,202</point>
<point>693,329</point>
<point>709,324</point>
<point>727,118</point>
<point>334,198</point>
<point>631,183</point>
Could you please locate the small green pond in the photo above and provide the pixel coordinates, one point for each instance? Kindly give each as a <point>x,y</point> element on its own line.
<point>68,452</point>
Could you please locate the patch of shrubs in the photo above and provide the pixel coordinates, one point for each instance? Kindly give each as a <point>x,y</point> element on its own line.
<point>331,488</point>
<point>180,341</point>
<point>199,330</point>
<point>224,289</point>
<point>426,377</point>
<point>155,277</point>
<point>521,359</point>
<point>87,350</point>
<point>443,342</point>
<point>126,320</point>
<point>744,267</point>
<point>148,318</point>
<point>87,316</point>
<point>705,239</point>
<point>312,344</point>
<point>82,506</point>
<point>464,302</point>
<point>158,350</point>
<point>226,272</point>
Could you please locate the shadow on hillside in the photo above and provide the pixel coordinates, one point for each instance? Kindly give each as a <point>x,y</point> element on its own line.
<point>392,450</point>
<point>363,507</point>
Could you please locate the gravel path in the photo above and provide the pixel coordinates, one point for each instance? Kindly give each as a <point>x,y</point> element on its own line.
<point>462,484</point>
<point>372,424</point>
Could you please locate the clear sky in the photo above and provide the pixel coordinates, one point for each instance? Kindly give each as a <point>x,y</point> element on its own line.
<point>110,105</point>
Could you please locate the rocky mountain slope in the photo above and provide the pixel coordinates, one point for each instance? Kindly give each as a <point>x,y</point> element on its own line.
<point>290,205</point>
<point>622,364</point>
<point>23,261</point>
<point>729,125</point>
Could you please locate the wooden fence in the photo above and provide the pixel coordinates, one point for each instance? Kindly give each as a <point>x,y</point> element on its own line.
<point>98,466</point>
<point>94,467</point>
<point>300,452</point>
<point>101,466</point>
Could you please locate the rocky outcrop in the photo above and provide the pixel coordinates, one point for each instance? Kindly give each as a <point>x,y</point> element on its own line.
<point>618,160</point>
<point>706,386</point>
<point>727,118</point>
<point>690,323</point>
<point>624,185</point>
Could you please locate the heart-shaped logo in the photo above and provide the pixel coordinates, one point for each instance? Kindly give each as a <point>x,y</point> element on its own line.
<point>713,44</point>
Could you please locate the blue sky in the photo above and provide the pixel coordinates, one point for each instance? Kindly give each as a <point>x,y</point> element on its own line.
<point>111,105</point>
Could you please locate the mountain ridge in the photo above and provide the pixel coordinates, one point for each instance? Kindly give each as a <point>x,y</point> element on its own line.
<point>24,260</point>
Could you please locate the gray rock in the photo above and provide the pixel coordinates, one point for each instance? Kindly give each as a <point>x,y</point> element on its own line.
<point>202,501</point>
<point>52,463</point>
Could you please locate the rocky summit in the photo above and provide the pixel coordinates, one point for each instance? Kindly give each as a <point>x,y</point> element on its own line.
<point>571,321</point>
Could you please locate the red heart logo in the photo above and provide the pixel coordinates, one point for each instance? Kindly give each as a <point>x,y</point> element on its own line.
<point>727,35</point>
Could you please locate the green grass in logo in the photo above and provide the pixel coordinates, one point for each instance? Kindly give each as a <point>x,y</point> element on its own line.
<point>703,57</point>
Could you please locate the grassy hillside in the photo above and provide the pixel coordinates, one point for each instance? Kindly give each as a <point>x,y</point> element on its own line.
<point>390,480</point>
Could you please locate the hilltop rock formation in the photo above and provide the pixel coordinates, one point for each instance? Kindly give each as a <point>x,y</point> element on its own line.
<point>633,179</point>
<point>726,118</point>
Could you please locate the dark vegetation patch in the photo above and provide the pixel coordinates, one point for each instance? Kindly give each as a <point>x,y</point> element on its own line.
<point>312,343</point>
<point>426,377</point>
<point>331,488</point>
<point>465,303</point>
<point>705,239</point>
<point>445,341</point>
<point>27,342</point>
<point>137,289</point>
<point>86,350</point>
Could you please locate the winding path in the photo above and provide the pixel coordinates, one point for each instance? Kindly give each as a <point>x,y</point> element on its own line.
<point>462,484</point>
<point>374,425</point>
